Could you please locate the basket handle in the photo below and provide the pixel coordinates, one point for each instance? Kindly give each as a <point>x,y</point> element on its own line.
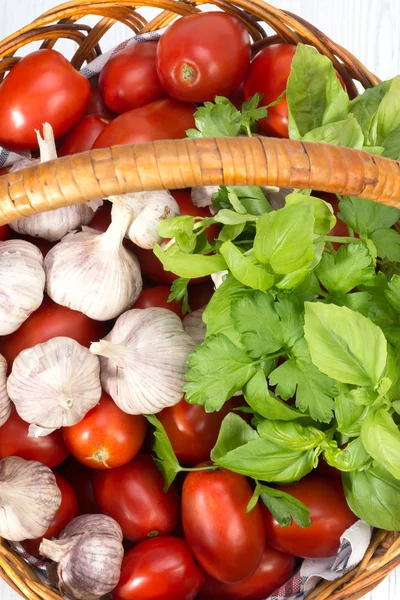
<point>173,164</point>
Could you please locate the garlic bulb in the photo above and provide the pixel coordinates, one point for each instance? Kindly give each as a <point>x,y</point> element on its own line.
<point>92,272</point>
<point>53,224</point>
<point>143,360</point>
<point>29,499</point>
<point>194,326</point>
<point>5,404</point>
<point>148,210</point>
<point>54,384</point>
<point>22,282</point>
<point>201,196</point>
<point>89,554</point>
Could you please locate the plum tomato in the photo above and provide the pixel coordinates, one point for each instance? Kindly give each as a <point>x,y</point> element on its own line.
<point>96,105</point>
<point>158,296</point>
<point>83,135</point>
<point>80,479</point>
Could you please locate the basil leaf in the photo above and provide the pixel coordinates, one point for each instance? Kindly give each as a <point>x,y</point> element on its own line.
<point>230,217</point>
<point>217,370</point>
<point>251,275</point>
<point>346,133</point>
<point>381,438</point>
<point>364,106</point>
<point>387,242</point>
<point>291,434</point>
<point>282,506</point>
<point>230,232</point>
<point>165,460</point>
<point>352,458</point>
<point>373,495</point>
<point>189,265</point>
<point>348,415</point>
<point>386,120</point>
<point>347,268</point>
<point>251,198</point>
<point>284,238</point>
<point>325,220</point>
<point>365,216</point>
<point>260,399</point>
<point>234,432</point>
<point>344,344</point>
<point>169,228</point>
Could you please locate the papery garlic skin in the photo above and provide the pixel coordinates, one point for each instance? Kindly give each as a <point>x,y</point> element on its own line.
<point>22,281</point>
<point>89,553</point>
<point>29,499</point>
<point>5,403</point>
<point>54,384</point>
<point>194,326</point>
<point>201,196</point>
<point>144,360</point>
<point>148,210</point>
<point>93,273</point>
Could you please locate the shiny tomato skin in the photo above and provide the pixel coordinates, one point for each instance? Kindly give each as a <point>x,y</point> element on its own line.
<point>330,517</point>
<point>226,542</point>
<point>165,119</point>
<point>192,431</point>
<point>14,441</point>
<point>48,321</point>
<point>159,569</point>
<point>83,135</point>
<point>68,510</point>
<point>42,87</point>
<point>96,105</point>
<point>273,571</point>
<point>129,79</point>
<point>106,437</point>
<point>143,509</point>
<point>157,296</point>
<point>80,479</point>
<point>203,55</point>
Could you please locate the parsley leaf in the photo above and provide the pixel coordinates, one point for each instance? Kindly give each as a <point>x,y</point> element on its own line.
<point>387,242</point>
<point>365,216</point>
<point>179,292</point>
<point>216,119</point>
<point>283,506</point>
<point>349,267</point>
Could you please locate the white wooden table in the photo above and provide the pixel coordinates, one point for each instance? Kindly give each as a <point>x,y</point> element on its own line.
<point>370,29</point>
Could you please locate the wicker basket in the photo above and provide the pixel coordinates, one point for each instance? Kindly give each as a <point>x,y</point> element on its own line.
<point>186,163</point>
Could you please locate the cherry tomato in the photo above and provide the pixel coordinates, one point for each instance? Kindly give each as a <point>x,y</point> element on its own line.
<point>201,294</point>
<point>159,569</point>
<point>203,55</point>
<point>226,541</point>
<point>161,120</point>
<point>158,296</point>
<point>106,437</point>
<point>83,135</point>
<point>330,517</point>
<point>96,105</point>
<point>42,87</point>
<point>14,441</point>
<point>80,479</point>
<point>134,496</point>
<point>48,321</point>
<point>192,431</point>
<point>68,510</point>
<point>129,79</point>
<point>273,571</point>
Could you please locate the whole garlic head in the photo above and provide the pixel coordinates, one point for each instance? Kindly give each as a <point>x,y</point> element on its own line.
<point>93,273</point>
<point>144,360</point>
<point>22,280</point>
<point>5,403</point>
<point>148,210</point>
<point>54,384</point>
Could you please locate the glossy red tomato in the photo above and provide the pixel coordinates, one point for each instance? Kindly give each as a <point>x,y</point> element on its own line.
<point>159,569</point>
<point>226,541</point>
<point>80,479</point>
<point>237,97</point>
<point>42,87</point>
<point>164,119</point>
<point>14,441</point>
<point>129,79</point>
<point>106,437</point>
<point>330,517</point>
<point>134,496</point>
<point>273,571</point>
<point>96,105</point>
<point>68,510</point>
<point>48,321</point>
<point>83,135</point>
<point>192,431</point>
<point>158,296</point>
<point>203,55</point>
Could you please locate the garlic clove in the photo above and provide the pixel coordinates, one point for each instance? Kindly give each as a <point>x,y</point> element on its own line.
<point>29,499</point>
<point>194,326</point>
<point>89,553</point>
<point>144,360</point>
<point>149,209</point>
<point>93,273</point>
<point>5,403</point>
<point>22,281</point>
<point>201,196</point>
<point>54,384</point>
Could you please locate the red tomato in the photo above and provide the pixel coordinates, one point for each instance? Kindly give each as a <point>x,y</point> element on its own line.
<point>14,441</point>
<point>68,510</point>
<point>330,517</point>
<point>5,232</point>
<point>129,79</point>
<point>201,294</point>
<point>102,217</point>
<point>327,471</point>
<point>192,431</point>
<point>158,296</point>
<point>96,105</point>
<point>83,135</point>
<point>133,495</point>
<point>273,571</point>
<point>159,569</point>
<point>106,437</point>
<point>237,97</point>
<point>161,120</point>
<point>203,55</point>
<point>48,321</point>
<point>42,87</point>
<point>80,479</point>
<point>340,229</point>
<point>227,542</point>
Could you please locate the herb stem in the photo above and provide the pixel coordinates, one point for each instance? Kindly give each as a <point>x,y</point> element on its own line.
<point>341,240</point>
<point>205,468</point>
<point>275,355</point>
